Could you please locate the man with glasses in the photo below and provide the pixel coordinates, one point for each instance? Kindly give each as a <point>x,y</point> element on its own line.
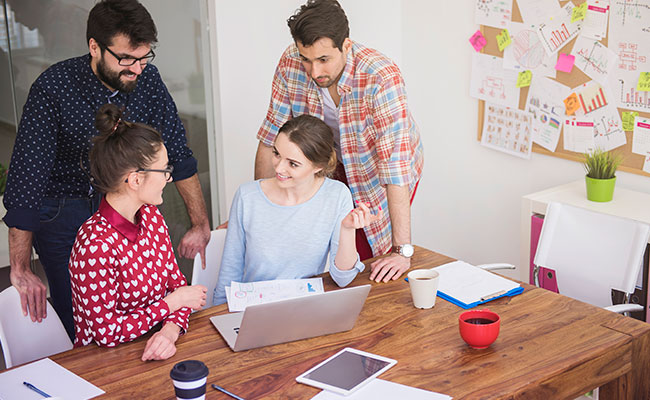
<point>49,193</point>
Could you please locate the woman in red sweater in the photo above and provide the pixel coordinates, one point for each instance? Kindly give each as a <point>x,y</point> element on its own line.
<point>125,279</point>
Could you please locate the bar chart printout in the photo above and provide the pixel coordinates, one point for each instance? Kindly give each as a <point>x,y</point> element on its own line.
<point>558,31</point>
<point>592,98</point>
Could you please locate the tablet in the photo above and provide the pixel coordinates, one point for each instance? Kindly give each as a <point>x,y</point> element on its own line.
<point>346,371</point>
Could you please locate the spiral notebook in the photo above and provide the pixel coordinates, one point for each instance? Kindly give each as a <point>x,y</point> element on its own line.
<point>468,286</point>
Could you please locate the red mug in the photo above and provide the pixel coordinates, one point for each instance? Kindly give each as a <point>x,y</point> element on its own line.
<point>479,328</point>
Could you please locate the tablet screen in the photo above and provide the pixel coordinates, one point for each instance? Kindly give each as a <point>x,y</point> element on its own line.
<point>347,370</point>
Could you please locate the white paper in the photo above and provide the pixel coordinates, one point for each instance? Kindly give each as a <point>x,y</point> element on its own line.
<point>534,12</point>
<point>49,377</point>
<point>579,134</point>
<point>629,38</point>
<point>251,293</point>
<point>379,389</point>
<point>608,128</point>
<point>526,52</point>
<point>592,96</point>
<point>508,130</point>
<point>594,59</point>
<point>646,163</point>
<point>468,284</point>
<point>557,31</point>
<point>595,22</point>
<point>495,13</point>
<point>546,103</point>
<point>490,82</point>
<point>641,136</point>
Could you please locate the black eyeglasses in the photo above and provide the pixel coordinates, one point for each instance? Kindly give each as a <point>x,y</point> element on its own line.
<point>167,171</point>
<point>128,61</point>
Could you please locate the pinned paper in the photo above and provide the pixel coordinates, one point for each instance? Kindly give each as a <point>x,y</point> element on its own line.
<point>524,78</point>
<point>571,104</point>
<point>503,39</point>
<point>477,40</point>
<point>565,62</point>
<point>644,82</point>
<point>579,12</point>
<point>646,164</point>
<point>628,120</point>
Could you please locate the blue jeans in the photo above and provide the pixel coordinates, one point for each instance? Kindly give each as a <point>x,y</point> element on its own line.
<point>60,220</point>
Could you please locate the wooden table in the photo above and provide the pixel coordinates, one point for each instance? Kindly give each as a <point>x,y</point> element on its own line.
<point>550,347</point>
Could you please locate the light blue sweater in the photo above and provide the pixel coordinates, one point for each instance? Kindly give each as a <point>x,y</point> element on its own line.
<point>267,241</point>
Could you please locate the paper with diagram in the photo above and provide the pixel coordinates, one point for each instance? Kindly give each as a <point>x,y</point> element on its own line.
<point>508,130</point>
<point>247,294</point>
<point>557,31</point>
<point>526,52</point>
<point>496,13</point>
<point>608,128</point>
<point>534,12</point>
<point>641,136</point>
<point>595,24</point>
<point>579,134</point>
<point>545,103</point>
<point>593,58</point>
<point>491,82</point>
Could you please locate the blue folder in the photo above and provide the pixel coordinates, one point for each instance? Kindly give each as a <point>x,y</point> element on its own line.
<point>459,303</point>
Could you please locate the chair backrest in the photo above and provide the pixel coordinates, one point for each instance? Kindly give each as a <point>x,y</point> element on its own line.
<point>591,252</point>
<point>208,276</point>
<point>24,340</point>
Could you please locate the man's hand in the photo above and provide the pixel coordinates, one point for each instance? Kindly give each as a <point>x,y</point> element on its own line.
<point>33,293</point>
<point>195,241</point>
<point>389,267</point>
<point>161,345</point>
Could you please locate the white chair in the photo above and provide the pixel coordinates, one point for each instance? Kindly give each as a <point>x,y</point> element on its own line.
<point>24,340</point>
<point>208,276</point>
<point>591,254</point>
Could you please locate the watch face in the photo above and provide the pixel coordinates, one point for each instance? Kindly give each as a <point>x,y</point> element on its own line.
<point>407,250</point>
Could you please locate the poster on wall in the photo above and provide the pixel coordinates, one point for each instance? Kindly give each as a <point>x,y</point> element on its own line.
<point>508,130</point>
<point>545,103</point>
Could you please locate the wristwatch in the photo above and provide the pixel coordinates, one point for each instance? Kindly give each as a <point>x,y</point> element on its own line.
<point>404,250</point>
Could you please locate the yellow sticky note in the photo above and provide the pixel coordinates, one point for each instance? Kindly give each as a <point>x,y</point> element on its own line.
<point>579,12</point>
<point>644,82</point>
<point>503,39</point>
<point>524,78</point>
<point>628,120</point>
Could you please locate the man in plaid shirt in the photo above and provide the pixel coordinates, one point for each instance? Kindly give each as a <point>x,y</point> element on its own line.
<point>360,94</point>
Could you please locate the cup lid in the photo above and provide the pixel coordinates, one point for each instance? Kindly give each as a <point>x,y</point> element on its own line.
<point>189,370</point>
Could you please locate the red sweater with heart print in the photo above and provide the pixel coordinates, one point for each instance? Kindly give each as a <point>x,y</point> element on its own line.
<point>120,273</point>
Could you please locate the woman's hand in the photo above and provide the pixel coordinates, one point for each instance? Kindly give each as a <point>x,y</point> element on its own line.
<point>360,217</point>
<point>186,296</point>
<point>161,346</point>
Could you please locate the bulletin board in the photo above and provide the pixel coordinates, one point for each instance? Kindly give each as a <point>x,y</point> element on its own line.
<point>632,162</point>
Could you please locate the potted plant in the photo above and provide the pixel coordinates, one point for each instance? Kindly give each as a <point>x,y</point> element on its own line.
<point>601,169</point>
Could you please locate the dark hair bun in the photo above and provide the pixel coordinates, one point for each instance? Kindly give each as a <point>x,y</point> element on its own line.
<point>107,119</point>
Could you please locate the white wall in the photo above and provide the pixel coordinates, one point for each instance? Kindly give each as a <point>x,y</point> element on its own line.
<point>468,202</point>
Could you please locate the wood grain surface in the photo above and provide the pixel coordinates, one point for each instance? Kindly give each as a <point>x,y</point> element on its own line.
<point>549,347</point>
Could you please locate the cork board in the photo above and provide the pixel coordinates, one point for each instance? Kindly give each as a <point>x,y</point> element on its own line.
<point>632,162</point>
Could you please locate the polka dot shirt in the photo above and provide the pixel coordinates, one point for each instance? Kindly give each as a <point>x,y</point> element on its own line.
<point>56,127</point>
<point>120,273</point>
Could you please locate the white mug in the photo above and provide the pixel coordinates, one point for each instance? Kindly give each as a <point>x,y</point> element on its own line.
<point>424,287</point>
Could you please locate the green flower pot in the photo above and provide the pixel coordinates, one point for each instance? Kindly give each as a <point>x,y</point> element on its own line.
<point>601,190</point>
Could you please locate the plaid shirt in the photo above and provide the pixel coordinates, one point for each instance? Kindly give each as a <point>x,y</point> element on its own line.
<point>380,142</point>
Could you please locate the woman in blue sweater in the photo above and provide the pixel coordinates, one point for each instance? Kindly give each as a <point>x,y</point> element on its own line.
<point>284,227</point>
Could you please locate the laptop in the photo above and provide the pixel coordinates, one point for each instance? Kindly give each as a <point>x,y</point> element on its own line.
<point>292,319</point>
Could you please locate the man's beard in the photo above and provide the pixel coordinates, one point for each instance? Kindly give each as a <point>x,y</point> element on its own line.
<point>112,78</point>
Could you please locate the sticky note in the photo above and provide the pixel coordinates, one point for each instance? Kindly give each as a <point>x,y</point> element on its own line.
<point>644,82</point>
<point>524,78</point>
<point>628,120</point>
<point>503,39</point>
<point>477,40</point>
<point>565,62</point>
<point>579,12</point>
<point>571,104</point>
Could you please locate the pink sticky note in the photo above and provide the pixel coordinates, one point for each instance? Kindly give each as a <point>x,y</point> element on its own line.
<point>565,62</point>
<point>478,41</point>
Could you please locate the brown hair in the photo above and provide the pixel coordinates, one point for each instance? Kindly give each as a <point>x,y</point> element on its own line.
<point>314,138</point>
<point>120,147</point>
<point>318,19</point>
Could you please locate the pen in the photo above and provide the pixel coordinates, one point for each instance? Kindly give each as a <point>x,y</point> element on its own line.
<point>219,388</point>
<point>37,390</point>
<point>489,296</point>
